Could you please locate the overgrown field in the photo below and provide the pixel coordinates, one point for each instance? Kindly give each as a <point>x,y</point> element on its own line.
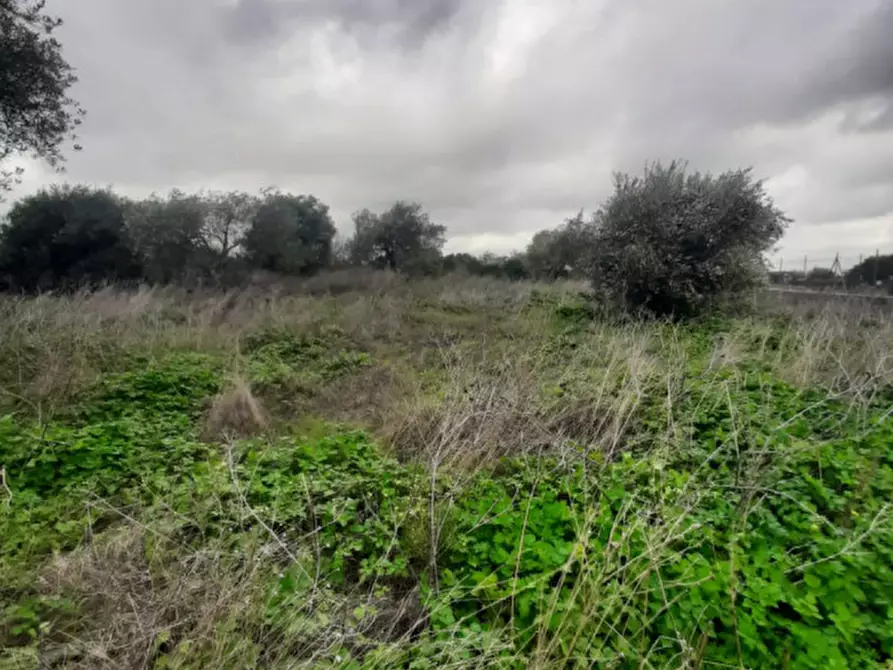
<point>451,473</point>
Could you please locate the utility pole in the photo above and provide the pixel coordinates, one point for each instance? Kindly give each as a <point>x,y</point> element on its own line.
<point>835,267</point>
<point>837,271</point>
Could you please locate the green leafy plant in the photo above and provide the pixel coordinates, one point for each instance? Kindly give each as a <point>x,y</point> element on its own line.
<point>286,360</point>
<point>743,548</point>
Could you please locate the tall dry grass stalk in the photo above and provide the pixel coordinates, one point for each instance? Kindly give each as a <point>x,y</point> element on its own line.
<point>529,397</point>
<point>235,413</point>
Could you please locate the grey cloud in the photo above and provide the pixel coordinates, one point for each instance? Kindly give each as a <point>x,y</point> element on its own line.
<point>866,67</point>
<point>861,68</point>
<point>729,64</point>
<point>870,201</point>
<point>420,17</point>
<point>881,122</point>
<point>852,174</point>
<point>251,20</point>
<point>411,21</point>
<point>501,116</point>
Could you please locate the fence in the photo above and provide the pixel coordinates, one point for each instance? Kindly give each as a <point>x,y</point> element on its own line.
<point>805,263</point>
<point>867,270</point>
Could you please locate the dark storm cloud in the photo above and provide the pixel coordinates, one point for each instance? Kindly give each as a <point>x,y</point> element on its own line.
<point>870,70</point>
<point>728,65</point>
<point>501,116</point>
<point>860,69</point>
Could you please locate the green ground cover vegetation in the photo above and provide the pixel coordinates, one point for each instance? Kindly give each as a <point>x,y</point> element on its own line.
<point>468,473</point>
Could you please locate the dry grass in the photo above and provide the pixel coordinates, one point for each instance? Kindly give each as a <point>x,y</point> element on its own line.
<point>445,353</point>
<point>144,591</point>
<point>55,346</point>
<point>142,595</point>
<point>844,347</point>
<point>463,372</point>
<point>137,608</point>
<point>235,413</point>
<point>497,401</point>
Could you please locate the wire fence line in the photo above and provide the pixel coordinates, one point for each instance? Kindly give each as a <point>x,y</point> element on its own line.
<point>872,270</point>
<point>806,262</point>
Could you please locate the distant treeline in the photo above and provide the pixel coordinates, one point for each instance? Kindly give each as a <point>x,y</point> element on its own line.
<point>75,235</point>
<point>668,242</point>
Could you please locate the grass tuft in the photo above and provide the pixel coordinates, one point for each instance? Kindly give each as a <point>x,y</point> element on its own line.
<point>235,413</point>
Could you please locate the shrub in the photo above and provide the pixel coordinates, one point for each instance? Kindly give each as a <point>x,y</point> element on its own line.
<point>871,270</point>
<point>562,252</point>
<point>672,243</point>
<point>65,236</point>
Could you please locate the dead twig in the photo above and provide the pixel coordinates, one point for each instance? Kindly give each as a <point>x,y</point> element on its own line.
<point>5,486</point>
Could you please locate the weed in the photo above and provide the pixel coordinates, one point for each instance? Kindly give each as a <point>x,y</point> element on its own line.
<point>545,486</point>
<point>235,413</point>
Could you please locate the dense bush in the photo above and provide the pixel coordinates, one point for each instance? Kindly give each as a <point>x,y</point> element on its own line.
<point>65,236</point>
<point>565,251</point>
<point>871,270</point>
<point>674,243</point>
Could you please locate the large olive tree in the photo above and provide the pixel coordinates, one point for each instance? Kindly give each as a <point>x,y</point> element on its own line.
<point>290,234</point>
<point>673,243</point>
<point>403,239</point>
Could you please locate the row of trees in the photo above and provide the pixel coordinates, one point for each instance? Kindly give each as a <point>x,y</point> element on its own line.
<point>873,270</point>
<point>667,241</point>
<point>71,235</point>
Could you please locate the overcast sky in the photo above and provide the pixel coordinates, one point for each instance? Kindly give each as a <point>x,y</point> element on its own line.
<point>501,116</point>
